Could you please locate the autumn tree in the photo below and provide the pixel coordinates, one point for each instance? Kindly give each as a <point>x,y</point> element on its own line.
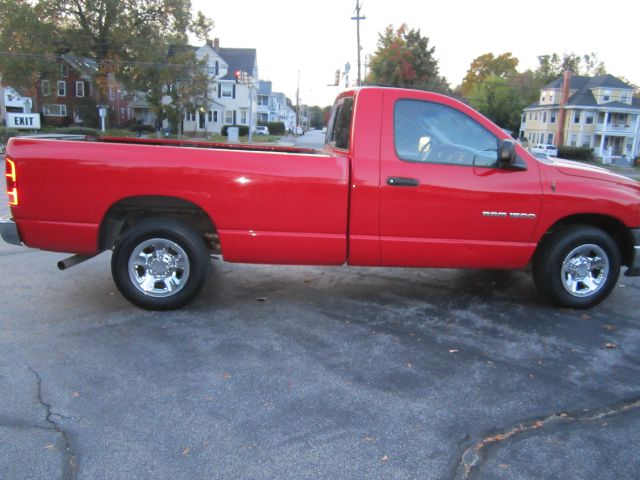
<point>488,65</point>
<point>404,59</point>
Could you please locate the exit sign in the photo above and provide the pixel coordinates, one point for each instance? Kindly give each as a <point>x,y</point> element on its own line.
<point>28,121</point>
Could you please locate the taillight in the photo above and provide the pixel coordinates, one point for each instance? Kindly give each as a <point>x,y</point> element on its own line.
<point>12,182</point>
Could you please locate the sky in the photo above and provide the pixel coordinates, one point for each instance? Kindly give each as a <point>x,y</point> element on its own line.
<point>315,38</point>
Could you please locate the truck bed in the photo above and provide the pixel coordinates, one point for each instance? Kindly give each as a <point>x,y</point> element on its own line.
<point>267,203</point>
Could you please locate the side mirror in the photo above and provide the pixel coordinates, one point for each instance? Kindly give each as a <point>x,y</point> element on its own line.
<point>507,154</point>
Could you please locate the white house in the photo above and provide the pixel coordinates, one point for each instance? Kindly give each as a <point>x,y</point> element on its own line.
<point>229,97</point>
<point>12,102</point>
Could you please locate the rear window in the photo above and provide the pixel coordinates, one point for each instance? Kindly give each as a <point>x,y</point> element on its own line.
<point>339,129</point>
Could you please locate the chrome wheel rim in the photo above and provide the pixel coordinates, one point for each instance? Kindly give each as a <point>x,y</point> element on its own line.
<point>585,270</point>
<point>158,267</point>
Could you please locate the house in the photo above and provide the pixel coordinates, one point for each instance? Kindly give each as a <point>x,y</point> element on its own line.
<point>274,106</point>
<point>70,96</point>
<point>12,102</point>
<point>233,74</point>
<point>596,112</point>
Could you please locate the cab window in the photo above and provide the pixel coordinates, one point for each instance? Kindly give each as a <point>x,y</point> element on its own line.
<point>429,132</point>
<point>339,129</point>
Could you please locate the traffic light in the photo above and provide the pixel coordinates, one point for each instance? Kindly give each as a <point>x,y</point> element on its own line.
<point>238,74</point>
<point>338,77</point>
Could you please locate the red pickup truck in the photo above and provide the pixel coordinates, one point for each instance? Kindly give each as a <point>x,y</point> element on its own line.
<point>406,178</point>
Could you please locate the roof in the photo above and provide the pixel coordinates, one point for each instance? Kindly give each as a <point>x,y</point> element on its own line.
<point>583,97</point>
<point>237,59</point>
<point>86,66</point>
<point>579,82</point>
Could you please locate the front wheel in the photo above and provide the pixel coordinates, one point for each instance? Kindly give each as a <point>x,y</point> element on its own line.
<point>577,267</point>
<point>160,264</point>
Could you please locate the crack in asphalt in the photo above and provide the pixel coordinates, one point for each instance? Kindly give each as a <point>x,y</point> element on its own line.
<point>70,465</point>
<point>472,457</point>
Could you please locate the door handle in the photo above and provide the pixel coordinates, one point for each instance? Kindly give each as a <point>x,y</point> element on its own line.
<point>402,182</point>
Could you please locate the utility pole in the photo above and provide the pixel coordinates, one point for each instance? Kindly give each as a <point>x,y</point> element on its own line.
<point>357,18</point>
<point>298,104</point>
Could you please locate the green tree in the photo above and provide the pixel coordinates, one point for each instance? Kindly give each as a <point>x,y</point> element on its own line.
<point>186,81</point>
<point>123,36</point>
<point>488,65</point>
<point>501,99</point>
<point>552,66</point>
<point>404,59</point>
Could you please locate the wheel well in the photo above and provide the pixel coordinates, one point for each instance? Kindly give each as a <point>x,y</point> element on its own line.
<point>616,229</point>
<point>127,212</point>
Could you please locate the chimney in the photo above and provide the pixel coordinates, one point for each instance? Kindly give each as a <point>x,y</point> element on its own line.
<point>566,86</point>
<point>216,43</point>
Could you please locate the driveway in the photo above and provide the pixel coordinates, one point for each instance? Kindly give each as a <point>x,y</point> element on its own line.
<point>305,372</point>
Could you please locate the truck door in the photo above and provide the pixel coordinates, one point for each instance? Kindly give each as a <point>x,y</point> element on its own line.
<point>444,201</point>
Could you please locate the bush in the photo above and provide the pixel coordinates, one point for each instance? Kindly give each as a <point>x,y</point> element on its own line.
<point>7,133</point>
<point>90,132</point>
<point>275,128</point>
<point>143,128</point>
<point>243,130</point>
<point>576,153</point>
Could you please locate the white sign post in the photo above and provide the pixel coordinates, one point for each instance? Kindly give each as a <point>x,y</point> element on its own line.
<point>102,111</point>
<point>25,121</point>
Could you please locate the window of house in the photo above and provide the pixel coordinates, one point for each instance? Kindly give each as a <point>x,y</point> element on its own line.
<point>62,88</point>
<point>243,117</point>
<point>228,117</point>
<point>64,70</point>
<point>530,116</point>
<point>589,117</point>
<point>586,141</point>
<point>78,113</point>
<point>606,96</point>
<point>190,116</point>
<point>226,90</point>
<point>434,133</point>
<point>552,117</point>
<point>79,89</point>
<point>55,110</point>
<point>574,139</point>
<point>45,88</point>
<point>550,139</point>
<point>576,117</point>
<point>544,117</point>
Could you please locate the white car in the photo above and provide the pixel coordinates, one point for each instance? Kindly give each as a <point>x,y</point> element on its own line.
<point>262,130</point>
<point>550,150</point>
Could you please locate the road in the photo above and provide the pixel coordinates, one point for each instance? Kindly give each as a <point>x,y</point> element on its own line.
<point>309,372</point>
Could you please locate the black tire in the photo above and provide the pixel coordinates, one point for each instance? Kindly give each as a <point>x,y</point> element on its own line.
<point>591,271</point>
<point>160,264</point>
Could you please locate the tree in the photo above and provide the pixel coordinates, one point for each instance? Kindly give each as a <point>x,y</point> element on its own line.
<point>501,99</point>
<point>552,66</point>
<point>186,81</point>
<point>488,65</point>
<point>404,59</point>
<point>122,36</point>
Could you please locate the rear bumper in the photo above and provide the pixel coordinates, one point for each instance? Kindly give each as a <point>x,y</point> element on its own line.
<point>9,231</point>
<point>634,265</point>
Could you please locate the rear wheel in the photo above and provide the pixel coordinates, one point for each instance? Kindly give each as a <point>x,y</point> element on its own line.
<point>160,264</point>
<point>577,267</point>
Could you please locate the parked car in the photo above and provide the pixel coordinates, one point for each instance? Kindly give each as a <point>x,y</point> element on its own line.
<point>262,130</point>
<point>299,130</point>
<point>550,150</point>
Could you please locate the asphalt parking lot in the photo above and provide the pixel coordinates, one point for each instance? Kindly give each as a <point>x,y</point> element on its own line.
<point>305,372</point>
